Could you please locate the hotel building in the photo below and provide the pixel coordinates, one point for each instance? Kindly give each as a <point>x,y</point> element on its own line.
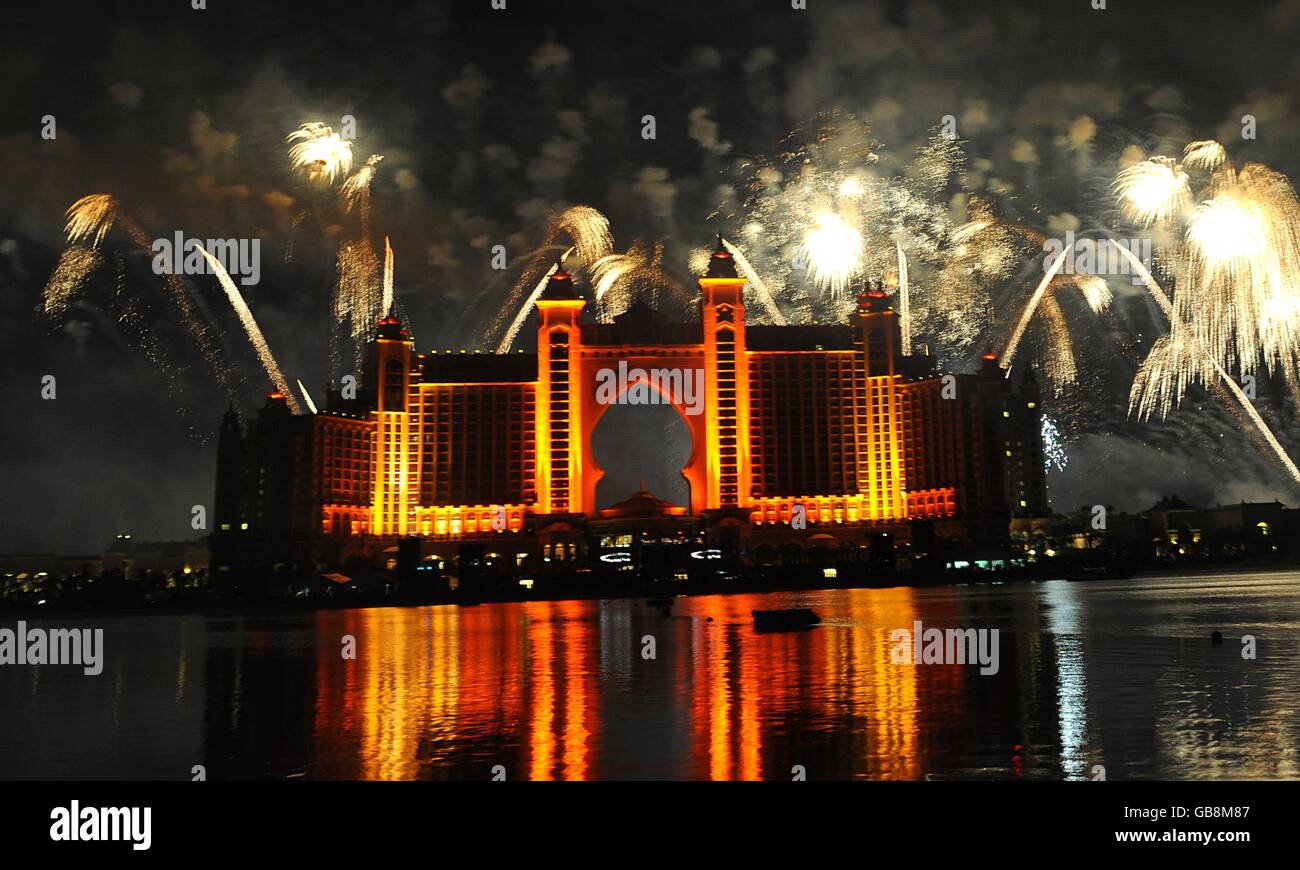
<point>807,433</point>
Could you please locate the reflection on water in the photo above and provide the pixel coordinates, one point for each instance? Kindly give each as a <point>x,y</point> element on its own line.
<point>1118,674</point>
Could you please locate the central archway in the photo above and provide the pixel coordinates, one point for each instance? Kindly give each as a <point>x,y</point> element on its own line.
<point>693,418</point>
<point>636,444</point>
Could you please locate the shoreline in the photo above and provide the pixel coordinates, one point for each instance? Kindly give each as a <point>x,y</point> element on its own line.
<point>655,592</point>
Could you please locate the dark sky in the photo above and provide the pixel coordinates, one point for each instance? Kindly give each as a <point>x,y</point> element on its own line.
<point>488,120</point>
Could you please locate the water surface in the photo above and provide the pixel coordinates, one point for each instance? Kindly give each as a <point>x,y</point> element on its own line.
<point>1115,674</point>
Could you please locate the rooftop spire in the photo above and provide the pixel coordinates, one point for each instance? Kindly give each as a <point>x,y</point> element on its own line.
<point>560,284</point>
<point>721,263</point>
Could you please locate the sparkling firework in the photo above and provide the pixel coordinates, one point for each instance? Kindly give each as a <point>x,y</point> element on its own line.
<point>1176,361</point>
<point>825,204</point>
<point>754,282</point>
<point>75,264</point>
<point>320,152</point>
<point>90,218</point>
<point>1238,294</point>
<point>832,250</point>
<point>1054,455</point>
<point>358,294</point>
<point>1096,292</point>
<point>904,303</point>
<point>1205,154</point>
<point>587,230</point>
<point>356,191</point>
<point>1153,190</point>
<point>1030,307</point>
<point>620,278</point>
<point>509,338</point>
<point>89,221</point>
<point>387,304</point>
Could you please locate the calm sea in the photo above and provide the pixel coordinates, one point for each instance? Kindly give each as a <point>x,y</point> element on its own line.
<point>1119,675</point>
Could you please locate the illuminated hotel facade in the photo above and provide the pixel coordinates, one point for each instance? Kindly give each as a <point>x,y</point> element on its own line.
<point>831,423</point>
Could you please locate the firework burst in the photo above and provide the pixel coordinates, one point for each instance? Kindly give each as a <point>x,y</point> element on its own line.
<point>1237,299</point>
<point>89,221</point>
<point>90,218</point>
<point>832,250</point>
<point>586,230</point>
<point>1152,191</point>
<point>319,152</point>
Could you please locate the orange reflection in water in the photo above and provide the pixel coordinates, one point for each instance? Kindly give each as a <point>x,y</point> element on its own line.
<point>445,692</point>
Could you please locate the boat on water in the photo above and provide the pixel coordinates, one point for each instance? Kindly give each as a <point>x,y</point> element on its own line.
<point>789,619</point>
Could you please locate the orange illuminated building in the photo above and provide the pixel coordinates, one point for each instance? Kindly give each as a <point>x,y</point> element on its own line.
<point>828,422</point>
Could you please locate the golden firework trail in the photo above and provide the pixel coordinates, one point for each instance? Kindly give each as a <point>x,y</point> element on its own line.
<point>1060,365</point>
<point>1030,307</point>
<point>587,231</point>
<point>612,268</point>
<point>618,279</point>
<point>387,305</point>
<point>509,338</point>
<point>320,152</point>
<point>75,264</point>
<point>587,228</point>
<point>754,280</point>
<point>358,293</point>
<point>89,220</point>
<point>356,191</point>
<point>306,396</point>
<point>1175,361</point>
<point>255,336</point>
<point>904,302</point>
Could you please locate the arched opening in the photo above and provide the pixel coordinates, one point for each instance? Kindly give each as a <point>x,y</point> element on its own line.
<point>632,443</point>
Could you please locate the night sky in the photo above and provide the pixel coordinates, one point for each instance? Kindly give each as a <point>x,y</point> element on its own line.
<point>488,121</point>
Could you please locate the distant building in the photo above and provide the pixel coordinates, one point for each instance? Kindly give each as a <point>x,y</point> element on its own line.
<point>1173,530</point>
<point>158,557</point>
<point>829,423</point>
